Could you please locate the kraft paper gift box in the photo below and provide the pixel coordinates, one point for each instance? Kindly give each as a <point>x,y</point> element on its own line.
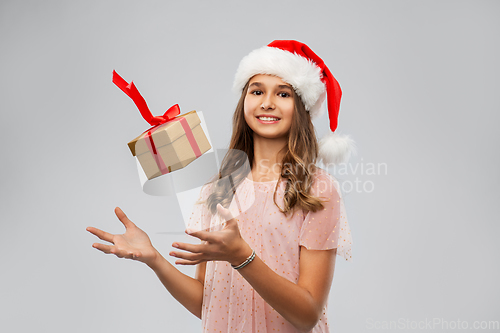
<point>170,146</point>
<point>172,143</point>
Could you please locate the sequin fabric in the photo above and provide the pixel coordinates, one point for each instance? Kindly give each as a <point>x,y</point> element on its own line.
<point>230,304</point>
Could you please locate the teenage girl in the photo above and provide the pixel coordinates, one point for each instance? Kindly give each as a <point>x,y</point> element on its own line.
<point>270,268</point>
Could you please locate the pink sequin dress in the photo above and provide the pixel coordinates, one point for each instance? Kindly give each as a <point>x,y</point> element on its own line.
<point>230,304</point>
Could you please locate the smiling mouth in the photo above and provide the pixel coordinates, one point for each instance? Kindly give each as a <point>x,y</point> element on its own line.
<point>268,118</point>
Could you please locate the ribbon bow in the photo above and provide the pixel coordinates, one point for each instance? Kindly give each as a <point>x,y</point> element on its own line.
<point>132,92</point>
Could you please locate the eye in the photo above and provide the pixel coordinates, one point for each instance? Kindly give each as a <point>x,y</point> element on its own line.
<point>256,92</point>
<point>284,94</point>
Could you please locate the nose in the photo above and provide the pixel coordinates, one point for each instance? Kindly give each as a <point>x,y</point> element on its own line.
<point>267,103</point>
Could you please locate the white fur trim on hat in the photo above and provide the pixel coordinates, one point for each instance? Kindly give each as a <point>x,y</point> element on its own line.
<point>301,73</point>
<point>336,148</point>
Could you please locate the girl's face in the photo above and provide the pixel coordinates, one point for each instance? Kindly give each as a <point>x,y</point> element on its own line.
<point>269,106</point>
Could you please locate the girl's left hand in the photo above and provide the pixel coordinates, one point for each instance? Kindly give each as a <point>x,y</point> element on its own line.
<point>224,245</point>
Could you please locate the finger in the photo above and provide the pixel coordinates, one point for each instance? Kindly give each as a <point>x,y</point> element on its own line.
<point>188,262</point>
<point>123,218</point>
<point>193,248</point>
<point>103,247</point>
<point>187,255</point>
<point>105,236</point>
<point>225,213</point>
<point>122,253</point>
<point>136,255</point>
<point>109,249</point>
<point>203,235</point>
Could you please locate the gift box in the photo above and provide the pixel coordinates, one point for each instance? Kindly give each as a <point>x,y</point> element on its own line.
<point>170,146</point>
<point>172,143</point>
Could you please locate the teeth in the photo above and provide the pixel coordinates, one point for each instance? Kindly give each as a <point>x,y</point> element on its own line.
<point>268,118</point>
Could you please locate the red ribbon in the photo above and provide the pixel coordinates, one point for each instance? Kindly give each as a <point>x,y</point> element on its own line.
<point>132,92</point>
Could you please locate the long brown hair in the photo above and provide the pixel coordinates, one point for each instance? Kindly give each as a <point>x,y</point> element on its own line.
<point>297,165</point>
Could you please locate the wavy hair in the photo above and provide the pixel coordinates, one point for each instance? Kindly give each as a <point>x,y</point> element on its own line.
<point>297,164</point>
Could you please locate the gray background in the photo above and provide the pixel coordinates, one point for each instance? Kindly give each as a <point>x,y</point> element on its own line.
<point>420,82</point>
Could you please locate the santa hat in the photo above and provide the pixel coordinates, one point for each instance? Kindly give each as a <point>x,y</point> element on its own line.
<point>296,64</point>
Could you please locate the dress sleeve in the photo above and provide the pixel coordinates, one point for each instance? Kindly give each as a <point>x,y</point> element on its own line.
<point>201,215</point>
<point>327,228</point>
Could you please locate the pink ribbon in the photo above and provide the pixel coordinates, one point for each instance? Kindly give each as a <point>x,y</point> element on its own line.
<point>152,147</point>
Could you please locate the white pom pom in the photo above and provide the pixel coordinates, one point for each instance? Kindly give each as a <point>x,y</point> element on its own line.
<point>336,148</point>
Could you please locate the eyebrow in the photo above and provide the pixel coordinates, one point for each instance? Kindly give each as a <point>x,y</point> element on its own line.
<point>258,84</point>
<point>281,86</point>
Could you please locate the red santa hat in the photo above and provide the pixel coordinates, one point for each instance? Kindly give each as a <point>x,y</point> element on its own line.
<point>296,64</point>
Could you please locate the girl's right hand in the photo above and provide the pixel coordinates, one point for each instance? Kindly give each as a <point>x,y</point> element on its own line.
<point>133,244</point>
